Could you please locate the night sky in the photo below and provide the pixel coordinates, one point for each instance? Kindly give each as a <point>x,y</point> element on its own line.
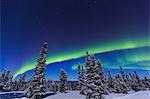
<point>71,27</point>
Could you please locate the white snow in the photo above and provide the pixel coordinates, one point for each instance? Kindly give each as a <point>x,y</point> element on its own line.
<point>21,98</point>
<point>12,92</point>
<point>77,95</point>
<point>68,95</point>
<point>137,95</point>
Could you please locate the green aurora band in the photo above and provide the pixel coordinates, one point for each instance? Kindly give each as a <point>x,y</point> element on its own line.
<point>126,60</point>
<point>99,48</point>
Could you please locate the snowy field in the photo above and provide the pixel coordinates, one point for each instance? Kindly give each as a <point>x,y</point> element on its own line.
<point>132,95</point>
<point>76,95</point>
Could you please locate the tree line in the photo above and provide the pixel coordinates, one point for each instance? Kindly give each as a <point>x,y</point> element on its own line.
<point>91,80</point>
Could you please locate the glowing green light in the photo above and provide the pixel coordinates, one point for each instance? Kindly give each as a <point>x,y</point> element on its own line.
<point>99,48</point>
<point>125,61</point>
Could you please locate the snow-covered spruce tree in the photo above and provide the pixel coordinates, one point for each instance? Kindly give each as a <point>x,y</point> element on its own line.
<point>79,76</point>
<point>63,81</point>
<point>93,84</point>
<point>136,82</point>
<point>120,86</point>
<point>49,85</point>
<point>83,81</point>
<point>100,72</point>
<point>70,86</point>
<point>125,79</point>
<point>122,74</point>
<point>5,81</point>
<point>128,82</point>
<point>101,87</point>
<point>102,77</point>
<point>22,83</point>
<point>131,76</point>
<point>138,85</point>
<point>111,83</point>
<point>146,82</point>
<point>37,83</point>
<point>55,87</point>
<point>73,85</point>
<point>132,81</point>
<point>14,86</point>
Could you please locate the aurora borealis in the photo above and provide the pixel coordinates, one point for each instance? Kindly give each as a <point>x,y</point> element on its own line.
<point>101,49</point>
<point>72,27</point>
<point>126,58</point>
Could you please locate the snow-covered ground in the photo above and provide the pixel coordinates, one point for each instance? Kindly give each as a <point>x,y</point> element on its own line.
<point>11,92</point>
<point>77,95</point>
<point>131,95</point>
<point>9,95</point>
<point>69,95</point>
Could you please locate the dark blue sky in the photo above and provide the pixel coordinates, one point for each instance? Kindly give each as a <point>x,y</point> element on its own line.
<point>66,25</point>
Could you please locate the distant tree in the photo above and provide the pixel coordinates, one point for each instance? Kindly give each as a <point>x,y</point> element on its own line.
<point>102,79</point>
<point>137,83</point>
<point>125,79</point>
<point>70,86</point>
<point>49,85</point>
<point>22,83</point>
<point>79,76</point>
<point>63,81</point>
<point>82,81</point>
<point>14,86</point>
<point>120,86</point>
<point>6,81</point>
<point>122,73</point>
<point>110,82</point>
<point>128,82</point>
<point>37,83</point>
<point>55,87</point>
<point>146,82</point>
